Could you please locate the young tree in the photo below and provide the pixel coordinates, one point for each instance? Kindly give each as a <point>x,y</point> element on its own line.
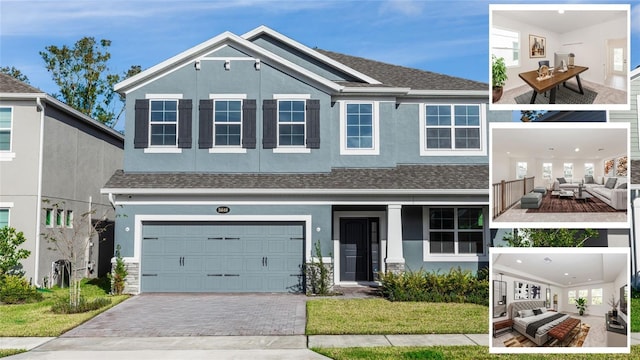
<point>72,243</point>
<point>14,73</point>
<point>549,237</point>
<point>10,254</point>
<point>84,77</point>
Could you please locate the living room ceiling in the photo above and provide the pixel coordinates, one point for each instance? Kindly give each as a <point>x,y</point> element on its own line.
<point>548,143</point>
<point>580,268</point>
<point>562,23</point>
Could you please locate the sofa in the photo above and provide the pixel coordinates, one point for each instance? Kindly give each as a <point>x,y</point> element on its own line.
<point>613,190</point>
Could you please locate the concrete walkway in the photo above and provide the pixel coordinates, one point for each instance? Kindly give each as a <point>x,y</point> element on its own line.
<point>221,347</point>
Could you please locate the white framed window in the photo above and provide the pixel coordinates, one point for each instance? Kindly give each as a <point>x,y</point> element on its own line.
<point>447,129</point>
<point>521,170</point>
<point>6,132</point>
<point>163,123</point>
<point>359,128</point>
<point>568,171</point>
<point>291,123</point>
<point>4,217</point>
<point>505,43</point>
<point>48,217</point>
<point>596,296</point>
<point>571,296</point>
<point>455,231</point>
<point>588,169</point>
<point>583,293</point>
<point>547,170</point>
<point>59,217</point>
<point>69,219</point>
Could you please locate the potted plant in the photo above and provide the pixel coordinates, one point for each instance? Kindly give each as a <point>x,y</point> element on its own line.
<point>498,76</point>
<point>581,304</point>
<point>614,305</point>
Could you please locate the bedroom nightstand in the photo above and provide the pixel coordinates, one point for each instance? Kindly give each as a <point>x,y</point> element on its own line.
<point>501,325</point>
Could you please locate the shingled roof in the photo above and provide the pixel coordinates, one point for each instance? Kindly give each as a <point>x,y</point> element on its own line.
<point>9,84</point>
<point>403,177</point>
<point>400,76</point>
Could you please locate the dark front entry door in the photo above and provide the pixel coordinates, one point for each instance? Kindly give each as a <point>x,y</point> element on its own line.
<point>355,249</point>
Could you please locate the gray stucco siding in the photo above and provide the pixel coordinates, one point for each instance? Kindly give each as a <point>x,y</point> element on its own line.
<point>320,218</point>
<point>241,79</point>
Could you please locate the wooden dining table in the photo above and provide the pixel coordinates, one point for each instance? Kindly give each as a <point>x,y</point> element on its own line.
<point>551,84</point>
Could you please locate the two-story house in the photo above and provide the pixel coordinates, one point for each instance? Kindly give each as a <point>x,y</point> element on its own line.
<point>244,152</point>
<point>53,162</point>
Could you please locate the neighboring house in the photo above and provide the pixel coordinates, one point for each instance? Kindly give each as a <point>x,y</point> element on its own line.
<point>633,118</point>
<point>53,161</point>
<point>244,152</point>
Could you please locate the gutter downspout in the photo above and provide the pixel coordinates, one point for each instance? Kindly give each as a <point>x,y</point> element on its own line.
<point>112,200</point>
<point>40,109</point>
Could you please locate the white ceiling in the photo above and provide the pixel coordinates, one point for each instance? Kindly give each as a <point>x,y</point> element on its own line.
<point>581,268</point>
<point>562,23</point>
<point>559,143</point>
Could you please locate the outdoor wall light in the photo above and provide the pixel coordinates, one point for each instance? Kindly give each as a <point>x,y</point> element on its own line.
<point>257,65</point>
<point>227,64</point>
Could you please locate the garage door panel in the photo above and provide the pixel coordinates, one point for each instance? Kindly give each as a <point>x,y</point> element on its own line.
<point>222,257</point>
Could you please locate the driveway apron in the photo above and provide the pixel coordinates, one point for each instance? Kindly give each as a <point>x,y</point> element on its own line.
<point>163,315</point>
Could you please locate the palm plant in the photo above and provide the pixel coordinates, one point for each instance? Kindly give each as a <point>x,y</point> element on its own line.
<point>581,304</point>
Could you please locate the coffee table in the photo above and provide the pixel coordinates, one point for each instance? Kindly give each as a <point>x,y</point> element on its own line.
<point>563,193</point>
<point>585,196</point>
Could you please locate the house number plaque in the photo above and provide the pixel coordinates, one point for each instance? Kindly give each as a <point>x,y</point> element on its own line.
<point>223,209</point>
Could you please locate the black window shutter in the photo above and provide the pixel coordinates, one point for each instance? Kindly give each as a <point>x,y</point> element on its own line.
<point>141,137</point>
<point>205,137</point>
<point>269,124</point>
<point>249,124</point>
<point>184,124</point>
<point>313,124</point>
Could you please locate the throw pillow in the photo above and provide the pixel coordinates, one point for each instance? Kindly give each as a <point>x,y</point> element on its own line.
<point>589,179</point>
<point>562,180</point>
<point>611,183</point>
<point>543,310</point>
<point>537,311</point>
<point>525,313</point>
<point>622,186</point>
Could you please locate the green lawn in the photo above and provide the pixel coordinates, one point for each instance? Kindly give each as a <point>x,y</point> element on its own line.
<point>379,316</point>
<point>635,315</point>
<point>38,320</point>
<point>456,353</point>
<point>9,352</point>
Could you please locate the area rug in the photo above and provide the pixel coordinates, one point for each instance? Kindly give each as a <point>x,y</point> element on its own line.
<point>578,340</point>
<point>555,204</point>
<point>563,96</point>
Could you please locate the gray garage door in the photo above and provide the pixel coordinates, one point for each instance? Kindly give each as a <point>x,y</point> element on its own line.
<point>222,257</point>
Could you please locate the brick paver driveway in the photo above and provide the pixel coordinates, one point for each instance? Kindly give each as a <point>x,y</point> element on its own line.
<point>199,315</point>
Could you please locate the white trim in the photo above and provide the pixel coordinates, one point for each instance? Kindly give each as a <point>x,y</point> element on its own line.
<point>139,218</point>
<point>291,150</point>
<point>162,150</point>
<point>456,256</point>
<point>310,202</point>
<point>163,96</point>
<point>227,96</point>
<point>6,204</point>
<point>450,93</point>
<point>40,107</point>
<point>375,90</point>
<point>220,191</point>
<point>304,49</point>
<point>225,58</point>
<point>7,156</point>
<point>375,136</point>
<point>291,96</point>
<point>186,57</point>
<point>227,150</point>
<point>482,151</point>
<point>637,116</point>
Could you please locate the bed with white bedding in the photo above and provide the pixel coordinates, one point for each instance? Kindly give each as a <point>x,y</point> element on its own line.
<point>523,315</point>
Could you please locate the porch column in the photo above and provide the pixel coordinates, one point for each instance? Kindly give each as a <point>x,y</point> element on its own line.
<point>395,258</point>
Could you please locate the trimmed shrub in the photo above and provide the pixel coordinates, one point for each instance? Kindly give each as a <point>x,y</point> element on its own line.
<point>461,286</point>
<point>62,305</point>
<point>15,289</point>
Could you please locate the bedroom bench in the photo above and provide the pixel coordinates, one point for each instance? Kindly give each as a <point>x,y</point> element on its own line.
<point>561,331</point>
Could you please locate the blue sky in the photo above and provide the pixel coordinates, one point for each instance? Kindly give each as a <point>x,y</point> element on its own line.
<point>449,37</point>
